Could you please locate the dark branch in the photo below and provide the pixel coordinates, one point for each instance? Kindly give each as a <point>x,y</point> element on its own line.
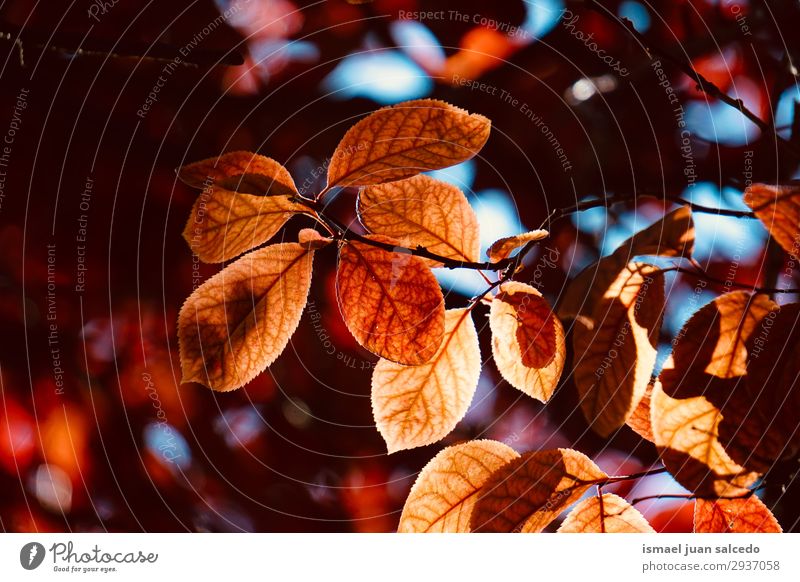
<point>705,276</point>
<point>686,68</point>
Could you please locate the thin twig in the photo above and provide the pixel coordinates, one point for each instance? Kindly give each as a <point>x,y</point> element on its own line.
<point>346,234</point>
<point>693,496</point>
<point>705,276</point>
<point>687,69</point>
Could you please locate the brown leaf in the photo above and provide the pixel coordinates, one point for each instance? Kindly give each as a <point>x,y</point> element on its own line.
<point>224,224</point>
<point>686,432</point>
<point>639,420</point>
<point>759,416</point>
<point>240,320</point>
<point>703,375</point>
<point>710,350</point>
<point>672,236</point>
<point>502,248</point>
<point>241,172</point>
<point>527,340</point>
<point>607,514</point>
<point>778,208</point>
<point>699,379</point>
<point>421,211</point>
<point>530,492</point>
<point>312,239</point>
<point>415,406</point>
<point>404,140</point>
<point>390,302</point>
<point>445,492</point>
<point>747,515</point>
<point>615,349</point>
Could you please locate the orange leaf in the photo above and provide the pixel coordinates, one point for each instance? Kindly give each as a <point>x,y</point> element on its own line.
<point>404,140</point>
<point>686,432</point>
<point>240,320</point>
<point>639,420</point>
<point>224,224</point>
<point>240,172</point>
<point>415,406</point>
<point>390,302</point>
<point>444,494</point>
<point>671,236</point>
<point>527,340</point>
<point>502,248</point>
<point>530,492</point>
<point>778,208</point>
<point>607,514</point>
<point>747,515</point>
<point>421,211</point>
<point>703,381</point>
<point>615,349</point>
<point>710,352</point>
<point>312,239</point>
<point>759,415</point>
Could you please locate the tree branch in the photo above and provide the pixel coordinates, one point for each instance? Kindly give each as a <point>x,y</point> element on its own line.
<point>705,276</point>
<point>687,69</point>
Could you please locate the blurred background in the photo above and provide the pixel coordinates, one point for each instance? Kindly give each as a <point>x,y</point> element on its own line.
<point>101,101</point>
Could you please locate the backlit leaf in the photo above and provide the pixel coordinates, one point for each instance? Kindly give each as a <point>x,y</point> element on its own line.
<point>241,172</point>
<point>759,416</point>
<point>421,211</point>
<point>615,349</point>
<point>415,406</point>
<point>390,301</point>
<point>686,432</point>
<point>607,514</point>
<point>639,420</point>
<point>240,320</point>
<point>700,378</point>
<point>224,224</point>
<point>710,352</point>
<point>672,236</point>
<point>312,239</point>
<point>404,140</point>
<point>748,515</point>
<point>527,340</point>
<point>530,492</point>
<point>502,248</point>
<point>778,208</point>
<point>445,492</point>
